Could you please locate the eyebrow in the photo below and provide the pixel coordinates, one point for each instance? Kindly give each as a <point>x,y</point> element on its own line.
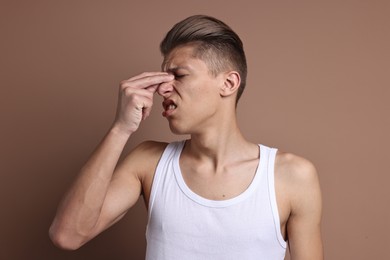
<point>176,68</point>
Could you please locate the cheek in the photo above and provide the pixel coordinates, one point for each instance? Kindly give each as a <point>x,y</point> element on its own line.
<point>212,94</point>
<point>208,89</point>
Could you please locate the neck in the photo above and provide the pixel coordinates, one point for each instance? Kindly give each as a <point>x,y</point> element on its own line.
<point>221,144</point>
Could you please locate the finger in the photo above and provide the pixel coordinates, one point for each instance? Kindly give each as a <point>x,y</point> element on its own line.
<point>146,92</point>
<point>153,88</point>
<point>146,112</point>
<point>148,81</point>
<point>138,97</point>
<point>146,108</point>
<point>148,74</point>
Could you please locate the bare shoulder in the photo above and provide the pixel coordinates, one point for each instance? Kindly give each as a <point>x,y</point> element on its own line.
<point>149,148</point>
<point>299,182</point>
<point>295,169</point>
<point>145,156</point>
<point>143,161</point>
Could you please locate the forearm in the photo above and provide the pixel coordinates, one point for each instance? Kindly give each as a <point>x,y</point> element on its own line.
<point>80,209</point>
<point>96,199</point>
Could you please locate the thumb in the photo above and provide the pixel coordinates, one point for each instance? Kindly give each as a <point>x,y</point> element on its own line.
<point>146,112</point>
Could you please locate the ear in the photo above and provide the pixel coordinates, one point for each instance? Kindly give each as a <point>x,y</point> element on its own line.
<point>231,83</point>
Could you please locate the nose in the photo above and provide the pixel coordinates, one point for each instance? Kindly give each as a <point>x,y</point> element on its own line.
<point>165,89</point>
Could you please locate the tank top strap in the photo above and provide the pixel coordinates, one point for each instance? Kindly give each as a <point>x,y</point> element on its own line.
<point>272,152</point>
<point>173,149</point>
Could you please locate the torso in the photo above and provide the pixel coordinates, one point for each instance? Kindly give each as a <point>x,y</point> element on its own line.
<point>229,183</point>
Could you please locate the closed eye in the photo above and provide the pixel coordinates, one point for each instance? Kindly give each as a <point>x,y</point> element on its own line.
<point>178,72</point>
<point>179,76</point>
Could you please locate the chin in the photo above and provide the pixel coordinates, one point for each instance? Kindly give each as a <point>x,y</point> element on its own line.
<point>178,130</point>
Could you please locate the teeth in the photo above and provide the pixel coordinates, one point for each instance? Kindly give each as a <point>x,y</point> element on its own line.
<point>171,106</point>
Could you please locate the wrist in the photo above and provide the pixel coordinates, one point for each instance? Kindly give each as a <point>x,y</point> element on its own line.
<point>121,132</point>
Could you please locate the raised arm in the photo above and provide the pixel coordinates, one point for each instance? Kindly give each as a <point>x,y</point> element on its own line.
<point>104,191</point>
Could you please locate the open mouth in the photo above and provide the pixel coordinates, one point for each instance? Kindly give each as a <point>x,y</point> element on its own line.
<point>169,106</point>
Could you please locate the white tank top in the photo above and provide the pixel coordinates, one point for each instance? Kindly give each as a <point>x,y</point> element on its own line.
<point>185,226</point>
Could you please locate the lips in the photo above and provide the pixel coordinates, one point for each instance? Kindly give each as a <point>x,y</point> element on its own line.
<point>169,107</point>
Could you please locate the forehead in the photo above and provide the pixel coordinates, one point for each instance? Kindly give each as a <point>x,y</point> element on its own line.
<point>182,56</point>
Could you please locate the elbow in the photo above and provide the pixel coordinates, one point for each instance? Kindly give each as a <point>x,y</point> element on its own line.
<point>64,241</point>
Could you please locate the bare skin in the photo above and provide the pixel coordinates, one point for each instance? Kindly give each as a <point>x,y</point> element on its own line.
<point>217,162</point>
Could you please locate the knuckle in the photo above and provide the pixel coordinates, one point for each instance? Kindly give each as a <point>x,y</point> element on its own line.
<point>134,98</point>
<point>123,83</point>
<point>128,92</point>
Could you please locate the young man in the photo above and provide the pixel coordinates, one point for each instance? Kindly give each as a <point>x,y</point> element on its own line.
<point>214,196</point>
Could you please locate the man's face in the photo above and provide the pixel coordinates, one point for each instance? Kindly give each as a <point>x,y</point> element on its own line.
<point>191,99</point>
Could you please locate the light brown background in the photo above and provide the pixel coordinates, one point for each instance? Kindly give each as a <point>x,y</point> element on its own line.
<point>318,86</point>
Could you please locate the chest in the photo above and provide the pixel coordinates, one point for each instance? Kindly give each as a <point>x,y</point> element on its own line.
<point>225,184</point>
<point>244,223</point>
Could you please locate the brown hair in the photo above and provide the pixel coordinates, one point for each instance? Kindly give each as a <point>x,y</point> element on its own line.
<point>215,43</point>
